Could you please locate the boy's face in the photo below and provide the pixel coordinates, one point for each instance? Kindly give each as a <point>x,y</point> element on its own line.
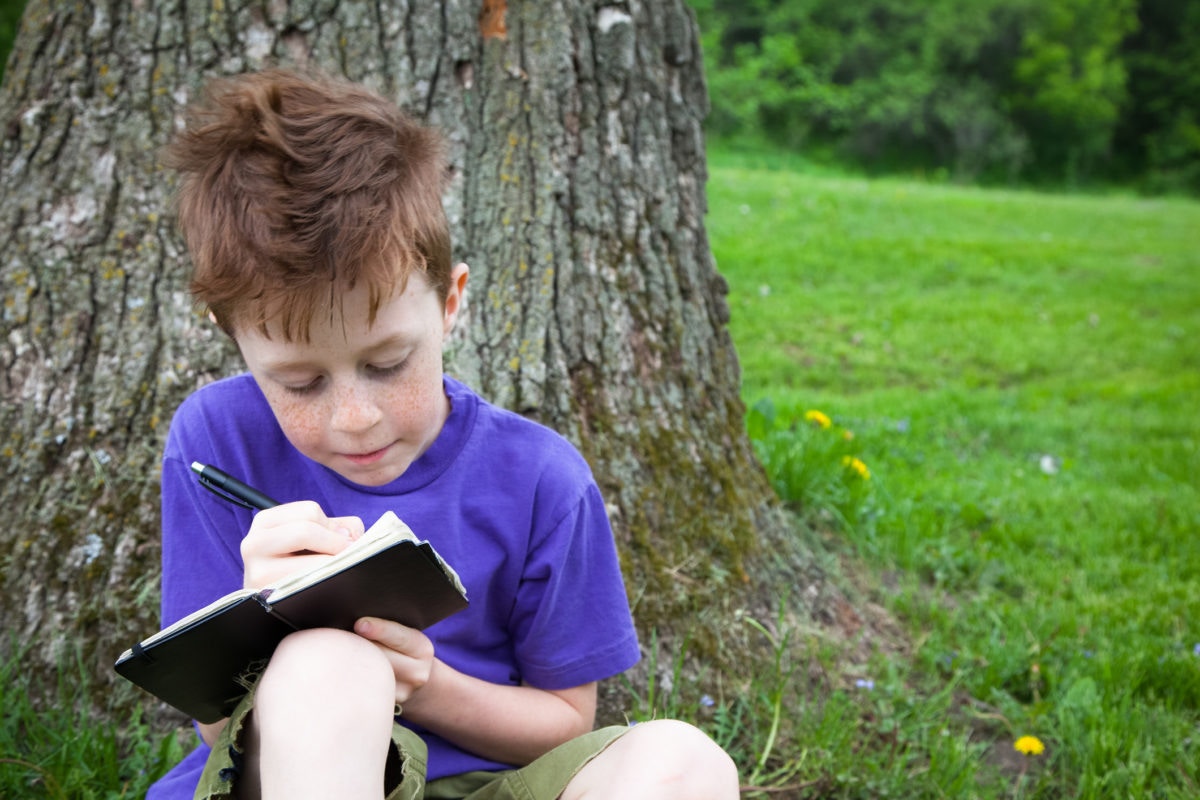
<point>365,401</point>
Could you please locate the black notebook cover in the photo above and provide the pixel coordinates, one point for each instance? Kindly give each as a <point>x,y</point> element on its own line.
<point>201,669</point>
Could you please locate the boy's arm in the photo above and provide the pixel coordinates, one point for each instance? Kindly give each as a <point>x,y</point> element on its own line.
<point>209,731</point>
<point>510,724</point>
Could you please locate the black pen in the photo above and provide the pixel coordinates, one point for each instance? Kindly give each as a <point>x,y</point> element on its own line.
<point>230,488</point>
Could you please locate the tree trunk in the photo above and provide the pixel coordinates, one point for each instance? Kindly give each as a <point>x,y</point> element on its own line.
<point>578,200</point>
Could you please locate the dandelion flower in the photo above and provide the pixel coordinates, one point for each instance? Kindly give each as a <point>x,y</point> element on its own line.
<point>1029,745</point>
<point>817,418</point>
<point>858,466</point>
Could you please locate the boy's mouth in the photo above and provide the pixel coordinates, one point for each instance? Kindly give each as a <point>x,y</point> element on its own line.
<point>363,459</point>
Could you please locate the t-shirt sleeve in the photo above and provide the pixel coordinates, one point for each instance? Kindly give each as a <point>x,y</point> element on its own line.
<point>571,621</point>
<point>201,535</point>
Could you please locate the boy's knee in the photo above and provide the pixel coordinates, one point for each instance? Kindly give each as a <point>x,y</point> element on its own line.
<point>686,747</point>
<point>675,758</point>
<point>325,700</point>
<point>325,663</point>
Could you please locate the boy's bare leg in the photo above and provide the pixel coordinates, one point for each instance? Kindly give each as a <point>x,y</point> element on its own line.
<point>662,759</point>
<point>322,720</point>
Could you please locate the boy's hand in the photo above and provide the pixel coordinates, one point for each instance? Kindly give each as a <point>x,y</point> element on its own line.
<point>409,651</point>
<point>293,537</point>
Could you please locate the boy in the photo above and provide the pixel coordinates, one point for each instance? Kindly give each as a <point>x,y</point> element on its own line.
<point>312,210</point>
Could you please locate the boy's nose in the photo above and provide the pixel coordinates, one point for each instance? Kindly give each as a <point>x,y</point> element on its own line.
<point>354,411</point>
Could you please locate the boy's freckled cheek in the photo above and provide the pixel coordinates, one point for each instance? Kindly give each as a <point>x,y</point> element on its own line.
<point>401,406</point>
<point>306,429</point>
<point>300,424</point>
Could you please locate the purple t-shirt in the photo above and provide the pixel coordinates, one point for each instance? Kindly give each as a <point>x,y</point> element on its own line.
<point>510,504</point>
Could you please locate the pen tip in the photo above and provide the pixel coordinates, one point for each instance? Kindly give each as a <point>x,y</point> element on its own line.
<point>197,466</point>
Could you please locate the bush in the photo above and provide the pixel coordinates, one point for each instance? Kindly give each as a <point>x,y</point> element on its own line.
<point>998,90</point>
<point>10,21</point>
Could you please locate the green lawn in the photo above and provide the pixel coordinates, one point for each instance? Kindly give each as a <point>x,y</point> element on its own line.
<point>1021,375</point>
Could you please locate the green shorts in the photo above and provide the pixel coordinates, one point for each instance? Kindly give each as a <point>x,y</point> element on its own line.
<point>543,779</point>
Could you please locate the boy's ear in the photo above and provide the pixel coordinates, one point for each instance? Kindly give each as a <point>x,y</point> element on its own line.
<point>456,296</point>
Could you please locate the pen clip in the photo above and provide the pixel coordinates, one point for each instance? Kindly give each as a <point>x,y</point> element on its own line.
<point>207,483</point>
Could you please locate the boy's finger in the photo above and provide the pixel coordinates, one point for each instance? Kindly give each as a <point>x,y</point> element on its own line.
<point>289,512</point>
<point>350,527</point>
<point>313,538</point>
<point>297,536</point>
<point>391,635</point>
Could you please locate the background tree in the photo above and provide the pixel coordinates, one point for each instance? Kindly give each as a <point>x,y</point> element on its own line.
<point>1070,82</point>
<point>10,18</point>
<point>885,81</point>
<point>1055,90</point>
<point>1158,135</point>
<point>577,196</point>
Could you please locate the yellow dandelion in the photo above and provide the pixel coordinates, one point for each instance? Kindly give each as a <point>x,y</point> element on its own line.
<point>858,466</point>
<point>1029,745</point>
<point>817,418</point>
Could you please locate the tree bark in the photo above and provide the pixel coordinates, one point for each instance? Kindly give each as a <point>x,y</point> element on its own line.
<point>577,198</point>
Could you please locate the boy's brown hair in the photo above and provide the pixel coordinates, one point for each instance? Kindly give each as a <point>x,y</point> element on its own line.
<point>295,187</point>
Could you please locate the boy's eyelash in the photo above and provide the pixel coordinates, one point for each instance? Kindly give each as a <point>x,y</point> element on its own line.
<point>307,388</point>
<point>383,372</point>
<point>376,372</point>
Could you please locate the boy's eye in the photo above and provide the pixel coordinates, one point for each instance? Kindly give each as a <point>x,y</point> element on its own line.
<point>383,371</point>
<point>303,389</point>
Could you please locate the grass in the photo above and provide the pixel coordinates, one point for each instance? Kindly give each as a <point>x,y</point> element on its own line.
<point>1016,374</point>
<point>59,750</point>
<point>1020,374</point>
